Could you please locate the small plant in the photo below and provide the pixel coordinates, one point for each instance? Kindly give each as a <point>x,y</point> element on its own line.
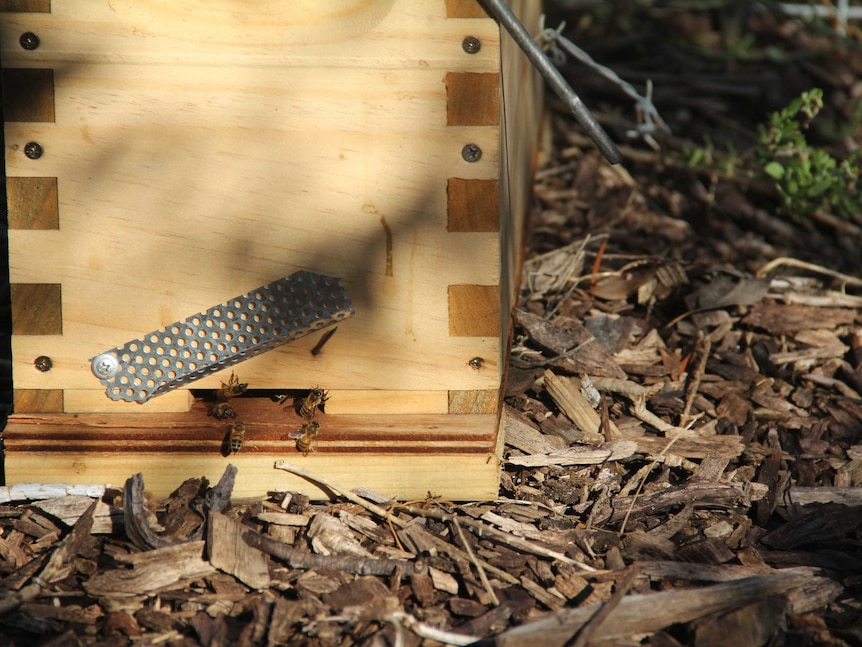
<point>807,179</point>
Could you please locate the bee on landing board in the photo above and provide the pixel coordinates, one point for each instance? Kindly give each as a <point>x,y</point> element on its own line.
<point>236,436</point>
<point>223,411</point>
<point>315,398</point>
<point>305,437</point>
<point>232,389</point>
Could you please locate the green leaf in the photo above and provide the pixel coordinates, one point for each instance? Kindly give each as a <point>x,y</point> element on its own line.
<point>774,170</point>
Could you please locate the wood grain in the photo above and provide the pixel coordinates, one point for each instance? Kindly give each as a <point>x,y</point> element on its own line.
<point>473,205</point>
<point>25,6</point>
<point>461,402</point>
<point>28,94</point>
<point>472,99</point>
<point>474,310</point>
<point>402,455</point>
<point>36,309</point>
<point>464,9</point>
<point>37,400</point>
<point>169,202</point>
<point>32,203</point>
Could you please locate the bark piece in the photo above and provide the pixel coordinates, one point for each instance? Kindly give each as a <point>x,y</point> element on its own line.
<point>647,613</point>
<point>228,552</point>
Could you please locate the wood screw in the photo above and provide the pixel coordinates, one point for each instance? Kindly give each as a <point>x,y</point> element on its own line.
<point>471,153</point>
<point>105,366</point>
<point>29,40</point>
<point>33,150</point>
<point>43,363</point>
<point>471,44</point>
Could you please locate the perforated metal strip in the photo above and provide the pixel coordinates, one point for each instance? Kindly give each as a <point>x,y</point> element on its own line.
<point>224,335</point>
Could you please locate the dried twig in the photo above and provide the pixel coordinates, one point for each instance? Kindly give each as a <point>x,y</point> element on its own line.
<point>679,432</point>
<point>485,531</point>
<point>482,576</point>
<point>400,618</point>
<point>811,267</point>
<point>694,382</point>
<point>347,564</point>
<point>332,487</point>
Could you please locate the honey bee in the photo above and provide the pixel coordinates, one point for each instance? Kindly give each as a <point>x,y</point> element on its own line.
<point>232,389</point>
<point>315,398</point>
<point>236,436</point>
<point>223,411</point>
<point>305,437</point>
<point>476,363</point>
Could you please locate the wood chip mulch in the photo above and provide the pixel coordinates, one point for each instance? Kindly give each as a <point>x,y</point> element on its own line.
<point>682,466</point>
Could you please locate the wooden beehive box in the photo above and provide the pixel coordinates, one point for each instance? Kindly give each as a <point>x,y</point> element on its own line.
<point>189,152</point>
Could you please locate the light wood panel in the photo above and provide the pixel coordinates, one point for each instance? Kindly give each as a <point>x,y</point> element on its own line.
<point>32,203</point>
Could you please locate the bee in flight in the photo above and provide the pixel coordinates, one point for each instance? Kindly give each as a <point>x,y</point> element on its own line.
<point>305,437</point>
<point>236,436</point>
<point>232,389</point>
<point>315,398</point>
<point>223,411</point>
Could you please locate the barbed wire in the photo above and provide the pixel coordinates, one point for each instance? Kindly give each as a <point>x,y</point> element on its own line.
<point>649,121</point>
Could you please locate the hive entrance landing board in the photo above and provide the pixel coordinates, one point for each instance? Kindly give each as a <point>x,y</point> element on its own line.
<point>153,171</point>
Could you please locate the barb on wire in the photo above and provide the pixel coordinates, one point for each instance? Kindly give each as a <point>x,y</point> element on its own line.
<point>557,46</point>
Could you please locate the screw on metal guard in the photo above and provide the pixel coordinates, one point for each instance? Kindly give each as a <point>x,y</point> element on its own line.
<point>552,76</point>
<point>222,336</point>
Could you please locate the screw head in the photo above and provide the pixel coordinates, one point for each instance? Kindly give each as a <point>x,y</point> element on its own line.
<point>43,363</point>
<point>33,150</point>
<point>29,40</point>
<point>471,153</point>
<point>105,366</point>
<point>471,44</point>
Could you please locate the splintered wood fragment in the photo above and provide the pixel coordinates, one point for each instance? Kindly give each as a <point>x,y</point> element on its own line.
<point>522,435</point>
<point>551,600</point>
<point>38,491</point>
<point>725,447</point>
<point>752,624</point>
<point>724,494</point>
<point>443,581</point>
<point>648,613</point>
<point>779,319</point>
<point>139,515</point>
<point>283,518</point>
<point>229,553</point>
<point>302,559</point>
<point>576,350</point>
<point>331,488</point>
<point>486,531</point>
<point>827,524</point>
<point>107,519</point>
<point>626,387</point>
<point>217,499</point>
<point>711,467</point>
<point>849,496</point>
<point>155,570</point>
<point>593,625</point>
<point>58,566</point>
<point>611,451</point>
<point>329,536</point>
<point>701,572</point>
<point>567,395</point>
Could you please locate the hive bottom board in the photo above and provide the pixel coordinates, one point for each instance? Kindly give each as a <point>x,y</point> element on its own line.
<point>455,456</point>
